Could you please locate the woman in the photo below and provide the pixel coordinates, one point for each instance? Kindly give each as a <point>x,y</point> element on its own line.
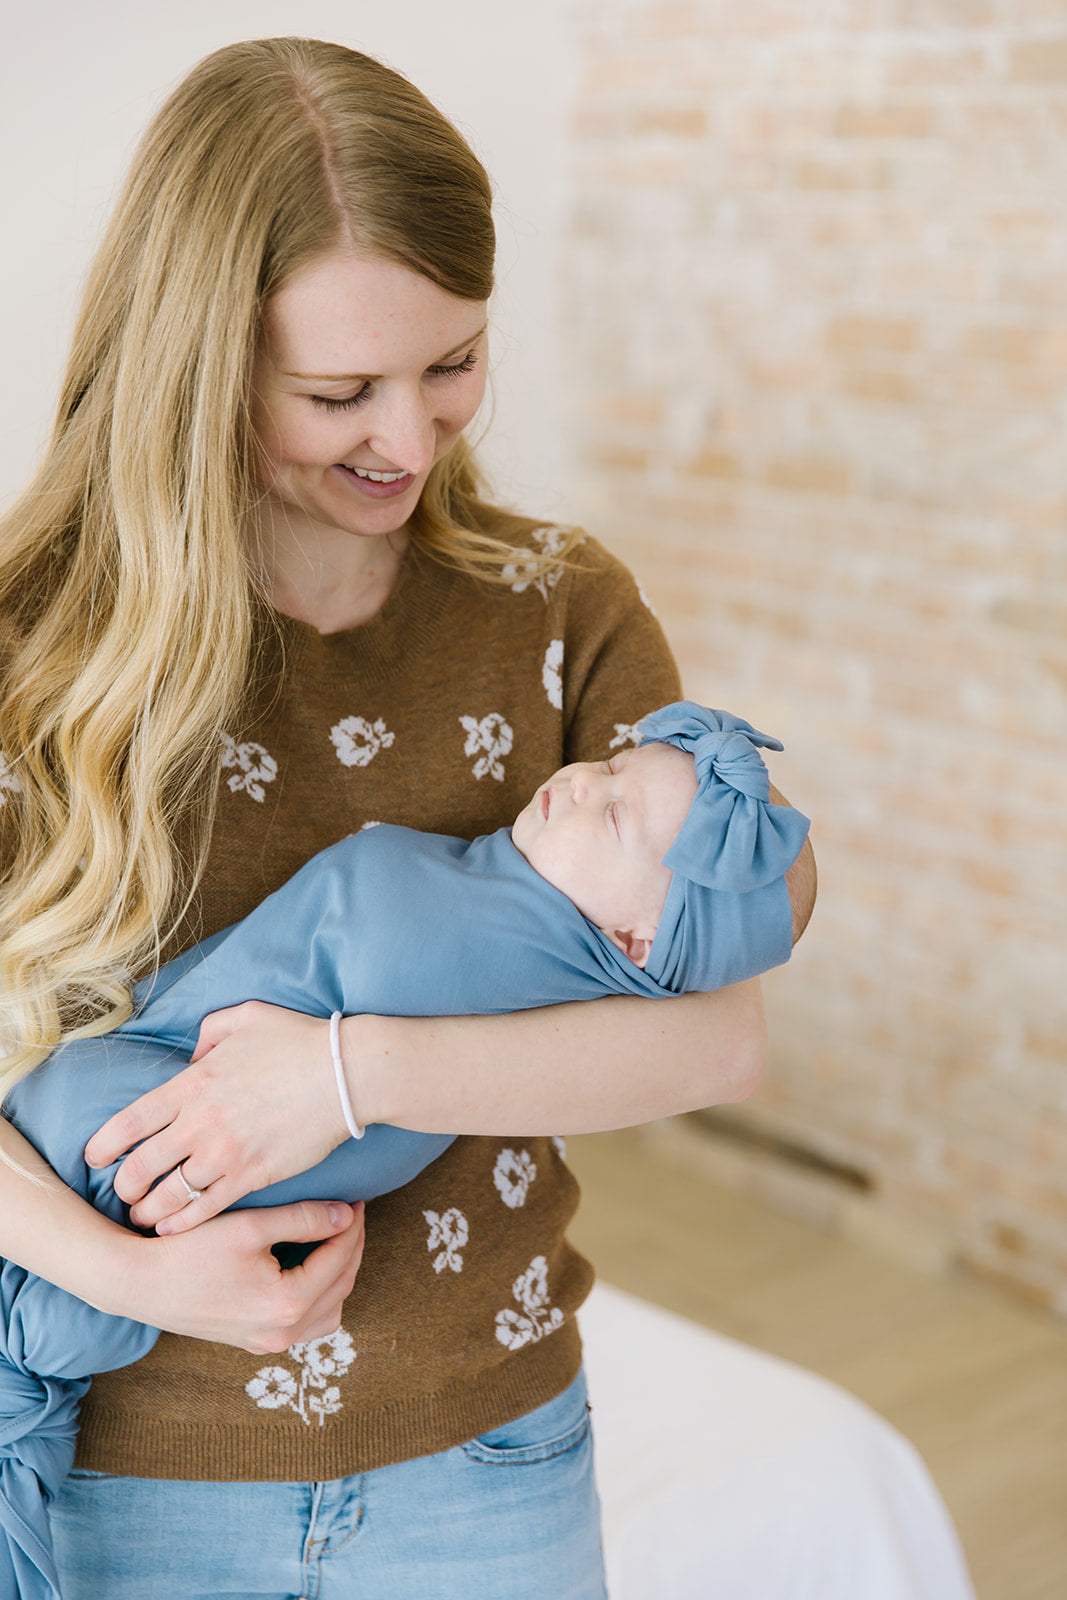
<point>252,599</point>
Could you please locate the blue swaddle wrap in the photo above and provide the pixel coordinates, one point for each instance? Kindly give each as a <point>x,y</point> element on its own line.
<point>727,915</point>
<point>388,921</point>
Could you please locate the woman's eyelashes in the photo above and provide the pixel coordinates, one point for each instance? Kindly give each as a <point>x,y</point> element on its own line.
<point>468,364</point>
<point>350,404</point>
<point>440,370</point>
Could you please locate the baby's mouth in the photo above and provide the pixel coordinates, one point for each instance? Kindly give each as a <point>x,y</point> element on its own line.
<point>546,802</point>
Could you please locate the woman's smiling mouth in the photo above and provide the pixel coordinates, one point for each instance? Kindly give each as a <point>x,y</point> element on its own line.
<point>378,485</point>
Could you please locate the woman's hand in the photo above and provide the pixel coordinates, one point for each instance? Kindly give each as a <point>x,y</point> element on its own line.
<point>259,1103</point>
<point>219,1282</point>
<point>222,1283</point>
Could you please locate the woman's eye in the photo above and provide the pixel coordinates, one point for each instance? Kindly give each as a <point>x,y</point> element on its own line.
<point>468,364</point>
<point>350,404</point>
<point>440,370</point>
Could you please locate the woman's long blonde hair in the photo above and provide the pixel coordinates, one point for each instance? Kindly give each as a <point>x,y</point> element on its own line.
<point>126,590</point>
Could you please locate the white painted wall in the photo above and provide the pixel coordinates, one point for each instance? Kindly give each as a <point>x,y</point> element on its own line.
<point>79,81</point>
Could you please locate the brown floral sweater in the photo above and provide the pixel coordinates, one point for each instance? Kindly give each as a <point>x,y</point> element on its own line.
<point>444,712</point>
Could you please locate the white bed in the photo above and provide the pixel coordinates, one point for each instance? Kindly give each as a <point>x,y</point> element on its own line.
<point>726,1474</point>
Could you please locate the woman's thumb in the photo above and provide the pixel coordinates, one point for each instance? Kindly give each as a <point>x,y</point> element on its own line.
<point>305,1220</point>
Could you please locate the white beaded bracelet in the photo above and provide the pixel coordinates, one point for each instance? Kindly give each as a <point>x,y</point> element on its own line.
<point>339,1073</point>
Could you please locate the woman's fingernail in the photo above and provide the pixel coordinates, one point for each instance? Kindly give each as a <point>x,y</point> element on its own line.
<point>163,1227</point>
<point>338,1215</point>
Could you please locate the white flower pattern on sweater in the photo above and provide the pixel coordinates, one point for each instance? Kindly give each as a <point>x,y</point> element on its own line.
<point>358,741</point>
<point>527,570</point>
<point>255,767</point>
<point>537,1317</point>
<point>451,1231</point>
<point>307,1391</point>
<point>552,673</point>
<point>513,1174</point>
<point>493,737</point>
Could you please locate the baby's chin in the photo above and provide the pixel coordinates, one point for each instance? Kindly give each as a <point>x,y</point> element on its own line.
<point>521,832</point>
<point>524,837</point>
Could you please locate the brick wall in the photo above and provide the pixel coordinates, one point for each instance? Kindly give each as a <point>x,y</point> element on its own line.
<point>815,348</point>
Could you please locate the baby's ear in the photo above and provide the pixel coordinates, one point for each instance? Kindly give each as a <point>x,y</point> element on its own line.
<point>631,944</point>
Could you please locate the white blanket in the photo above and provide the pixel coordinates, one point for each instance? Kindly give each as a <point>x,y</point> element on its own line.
<point>726,1474</point>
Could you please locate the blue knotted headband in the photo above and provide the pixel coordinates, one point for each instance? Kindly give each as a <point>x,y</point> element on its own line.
<point>727,914</point>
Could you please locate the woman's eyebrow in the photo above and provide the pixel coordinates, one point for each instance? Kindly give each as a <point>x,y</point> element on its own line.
<point>373,377</point>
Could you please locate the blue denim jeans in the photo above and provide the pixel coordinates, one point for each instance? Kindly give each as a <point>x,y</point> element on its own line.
<point>512,1515</point>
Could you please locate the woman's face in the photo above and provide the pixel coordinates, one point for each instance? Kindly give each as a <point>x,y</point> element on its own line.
<point>365,377</point>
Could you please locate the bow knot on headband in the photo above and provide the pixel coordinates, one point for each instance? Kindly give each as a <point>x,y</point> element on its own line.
<point>727,913</point>
<point>732,838</point>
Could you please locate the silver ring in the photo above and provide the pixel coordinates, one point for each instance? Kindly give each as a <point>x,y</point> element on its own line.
<point>190,1193</point>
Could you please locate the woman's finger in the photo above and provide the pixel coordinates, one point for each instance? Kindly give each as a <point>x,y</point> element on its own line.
<point>309,1299</point>
<point>174,1201</point>
<point>329,1274</point>
<point>144,1167</point>
<point>301,1222</point>
<point>151,1113</point>
<point>218,1025</point>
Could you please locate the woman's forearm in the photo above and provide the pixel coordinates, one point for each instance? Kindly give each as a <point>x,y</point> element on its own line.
<point>259,1101</point>
<point>573,1068</point>
<point>53,1232</point>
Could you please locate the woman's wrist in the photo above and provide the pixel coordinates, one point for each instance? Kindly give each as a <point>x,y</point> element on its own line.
<point>356,1129</point>
<point>367,1042</point>
<point>98,1261</point>
<point>121,1278</point>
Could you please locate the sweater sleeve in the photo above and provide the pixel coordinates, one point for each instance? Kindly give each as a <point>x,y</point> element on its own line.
<point>617,665</point>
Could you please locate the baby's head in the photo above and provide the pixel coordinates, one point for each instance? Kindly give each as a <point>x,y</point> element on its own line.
<point>599,830</point>
<point>679,833</point>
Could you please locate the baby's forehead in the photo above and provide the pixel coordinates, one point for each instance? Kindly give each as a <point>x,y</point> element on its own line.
<point>660,761</point>
<point>666,780</point>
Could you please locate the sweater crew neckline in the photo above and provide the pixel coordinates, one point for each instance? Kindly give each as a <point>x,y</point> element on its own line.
<point>401,630</point>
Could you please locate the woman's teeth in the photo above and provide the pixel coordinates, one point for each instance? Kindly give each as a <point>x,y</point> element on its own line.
<point>377,477</point>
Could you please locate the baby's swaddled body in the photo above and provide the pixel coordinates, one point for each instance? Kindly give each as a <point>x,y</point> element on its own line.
<point>389,921</point>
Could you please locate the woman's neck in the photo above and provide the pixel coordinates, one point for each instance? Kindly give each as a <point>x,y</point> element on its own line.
<point>324,576</point>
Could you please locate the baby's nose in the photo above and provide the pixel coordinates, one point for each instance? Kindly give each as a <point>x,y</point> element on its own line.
<point>583,781</point>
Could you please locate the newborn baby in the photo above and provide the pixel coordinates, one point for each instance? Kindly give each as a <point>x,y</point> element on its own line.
<point>658,871</point>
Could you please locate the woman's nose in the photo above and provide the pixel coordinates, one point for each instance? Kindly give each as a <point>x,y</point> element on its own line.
<point>403,431</point>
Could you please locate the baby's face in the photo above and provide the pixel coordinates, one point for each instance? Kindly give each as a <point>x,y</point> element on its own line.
<point>598,831</point>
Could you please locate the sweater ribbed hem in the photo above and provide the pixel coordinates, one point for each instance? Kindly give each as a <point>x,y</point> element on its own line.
<point>140,1447</point>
